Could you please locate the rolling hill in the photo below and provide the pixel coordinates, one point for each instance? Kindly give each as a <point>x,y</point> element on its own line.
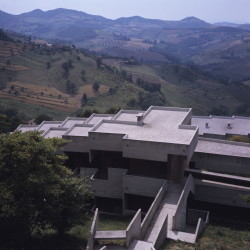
<point>197,64</point>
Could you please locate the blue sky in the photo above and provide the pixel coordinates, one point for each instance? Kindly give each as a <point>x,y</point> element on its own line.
<point>209,10</point>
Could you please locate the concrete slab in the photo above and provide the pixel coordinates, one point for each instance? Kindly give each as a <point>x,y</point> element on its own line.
<point>140,245</point>
<point>104,235</point>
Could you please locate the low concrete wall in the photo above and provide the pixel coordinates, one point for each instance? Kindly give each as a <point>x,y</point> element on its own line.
<point>154,151</point>
<point>94,228</point>
<point>76,144</point>
<point>199,229</point>
<point>221,193</point>
<point>140,185</point>
<point>222,164</point>
<point>179,219</point>
<point>111,188</point>
<point>193,216</point>
<point>106,141</point>
<point>162,235</point>
<point>152,210</point>
<point>134,228</point>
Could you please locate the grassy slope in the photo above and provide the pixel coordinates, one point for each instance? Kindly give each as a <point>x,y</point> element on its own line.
<point>215,237</point>
<point>38,74</point>
<point>32,111</point>
<point>185,87</point>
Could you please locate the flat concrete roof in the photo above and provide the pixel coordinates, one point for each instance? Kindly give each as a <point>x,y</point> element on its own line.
<point>46,125</point>
<point>79,130</point>
<point>219,125</point>
<point>95,118</point>
<point>55,132</point>
<point>222,147</point>
<point>25,128</point>
<point>127,115</point>
<point>160,124</point>
<point>70,121</point>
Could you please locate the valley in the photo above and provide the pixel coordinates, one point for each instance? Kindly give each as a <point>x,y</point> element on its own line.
<point>136,62</point>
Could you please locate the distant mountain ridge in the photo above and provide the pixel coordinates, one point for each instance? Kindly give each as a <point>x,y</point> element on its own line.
<point>53,23</point>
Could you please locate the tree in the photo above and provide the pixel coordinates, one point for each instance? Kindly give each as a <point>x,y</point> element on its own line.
<point>96,86</point>
<point>84,99</point>
<point>98,62</point>
<point>43,117</point>
<point>37,191</point>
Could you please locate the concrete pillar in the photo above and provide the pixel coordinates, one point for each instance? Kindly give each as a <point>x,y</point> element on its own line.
<point>176,167</point>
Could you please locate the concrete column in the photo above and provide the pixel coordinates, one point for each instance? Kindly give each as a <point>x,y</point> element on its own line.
<point>176,167</point>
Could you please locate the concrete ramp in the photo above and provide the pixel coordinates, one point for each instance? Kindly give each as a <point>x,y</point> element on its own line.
<point>141,245</point>
<point>163,216</point>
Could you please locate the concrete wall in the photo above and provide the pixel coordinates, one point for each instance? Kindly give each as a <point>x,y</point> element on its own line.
<point>134,228</point>
<point>139,185</point>
<point>112,187</point>
<point>176,168</point>
<point>162,235</point>
<point>199,229</point>
<point>105,141</point>
<point>193,216</point>
<point>94,228</point>
<point>76,144</point>
<point>179,219</point>
<point>154,151</point>
<point>223,164</point>
<point>220,193</point>
<point>152,210</point>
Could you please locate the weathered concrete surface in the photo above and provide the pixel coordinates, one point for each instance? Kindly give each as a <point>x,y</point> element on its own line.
<point>133,230</point>
<point>141,185</point>
<point>167,208</point>
<point>117,234</point>
<point>94,228</point>
<point>113,187</point>
<point>221,193</point>
<point>179,219</point>
<point>152,210</point>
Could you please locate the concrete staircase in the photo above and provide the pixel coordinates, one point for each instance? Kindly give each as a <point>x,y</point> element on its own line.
<point>167,208</point>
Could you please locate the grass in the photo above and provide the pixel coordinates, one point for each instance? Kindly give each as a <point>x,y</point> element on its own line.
<point>32,111</point>
<point>216,237</point>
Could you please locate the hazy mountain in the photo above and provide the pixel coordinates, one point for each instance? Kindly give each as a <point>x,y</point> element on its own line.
<point>76,25</point>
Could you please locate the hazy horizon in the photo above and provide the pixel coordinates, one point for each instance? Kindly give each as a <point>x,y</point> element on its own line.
<point>234,11</point>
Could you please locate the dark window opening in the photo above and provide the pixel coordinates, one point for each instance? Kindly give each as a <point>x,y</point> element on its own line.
<point>135,202</point>
<point>148,168</point>
<point>109,205</point>
<point>77,160</point>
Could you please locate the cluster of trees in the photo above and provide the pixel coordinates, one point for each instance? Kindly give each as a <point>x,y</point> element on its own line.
<point>4,36</point>
<point>146,99</point>
<point>10,118</point>
<point>71,88</point>
<point>148,86</point>
<point>37,191</point>
<point>67,66</point>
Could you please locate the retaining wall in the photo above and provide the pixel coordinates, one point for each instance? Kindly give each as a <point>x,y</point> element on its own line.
<point>179,219</point>
<point>152,210</point>
<point>134,228</point>
<point>94,228</point>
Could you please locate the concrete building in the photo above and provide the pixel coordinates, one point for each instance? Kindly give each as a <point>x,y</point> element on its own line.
<point>157,163</point>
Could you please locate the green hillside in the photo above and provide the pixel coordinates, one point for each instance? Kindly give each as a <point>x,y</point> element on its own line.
<point>58,80</point>
<point>57,77</point>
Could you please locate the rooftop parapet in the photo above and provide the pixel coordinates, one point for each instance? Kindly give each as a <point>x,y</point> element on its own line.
<point>25,128</point>
<point>160,125</point>
<point>70,121</point>
<point>222,125</point>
